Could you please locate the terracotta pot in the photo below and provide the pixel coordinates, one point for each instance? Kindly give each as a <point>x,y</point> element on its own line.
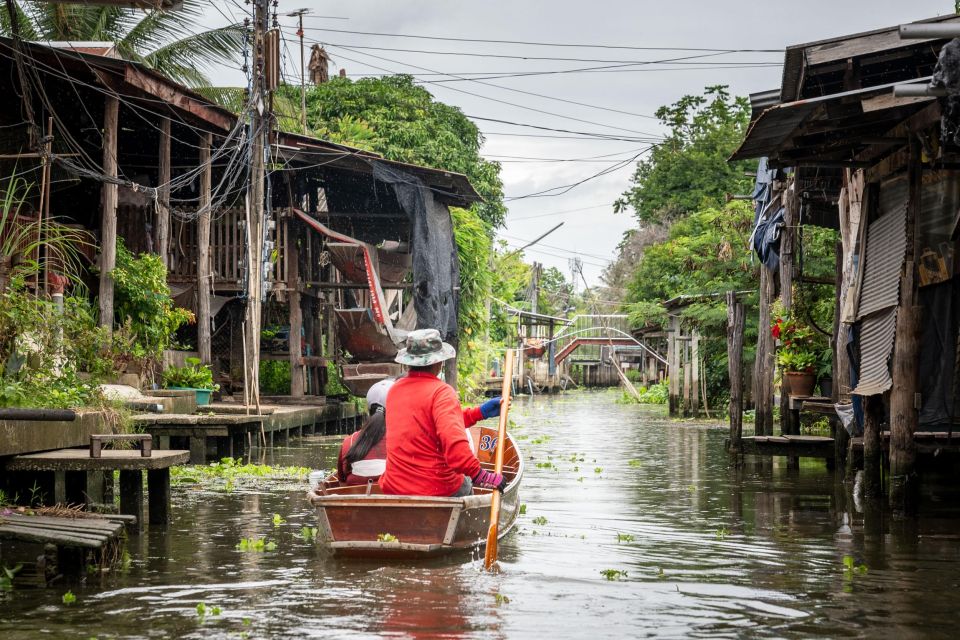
<point>801,383</point>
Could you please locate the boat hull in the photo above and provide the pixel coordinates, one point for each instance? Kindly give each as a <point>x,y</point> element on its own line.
<point>374,525</point>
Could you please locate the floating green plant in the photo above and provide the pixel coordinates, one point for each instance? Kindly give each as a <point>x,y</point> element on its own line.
<point>278,520</point>
<point>233,472</point>
<point>544,465</point>
<point>580,479</point>
<point>660,573</point>
<point>598,469</point>
<point>7,575</point>
<point>308,533</point>
<point>500,599</point>
<point>624,537</point>
<point>851,567</point>
<point>69,598</point>
<point>387,537</point>
<point>540,521</point>
<point>523,509</point>
<point>722,533</point>
<point>258,545</point>
<point>613,574</point>
<point>634,463</point>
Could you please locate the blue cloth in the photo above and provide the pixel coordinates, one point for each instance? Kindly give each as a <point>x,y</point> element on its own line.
<point>490,408</point>
<point>766,239</point>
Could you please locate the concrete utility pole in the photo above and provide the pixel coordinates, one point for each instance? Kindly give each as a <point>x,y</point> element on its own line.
<point>260,130</point>
<point>299,13</point>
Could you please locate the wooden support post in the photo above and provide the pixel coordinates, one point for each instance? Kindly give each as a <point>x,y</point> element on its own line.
<point>198,449</point>
<point>764,364</point>
<point>735,325</point>
<point>903,409</point>
<point>158,491</point>
<point>789,424</point>
<point>296,313</point>
<point>904,397</point>
<point>204,276</point>
<point>673,369</point>
<point>94,489</point>
<point>131,496</point>
<point>60,487</point>
<point>685,359</point>
<point>163,196</point>
<point>108,211</point>
<point>873,417</point>
<point>695,372</point>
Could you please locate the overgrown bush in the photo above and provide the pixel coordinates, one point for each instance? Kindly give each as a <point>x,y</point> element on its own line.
<point>193,375</point>
<point>275,377</point>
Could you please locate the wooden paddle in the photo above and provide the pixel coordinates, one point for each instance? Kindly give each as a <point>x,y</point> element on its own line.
<point>491,556</point>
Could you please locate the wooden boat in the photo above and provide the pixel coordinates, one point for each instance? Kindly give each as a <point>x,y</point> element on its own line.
<point>363,522</point>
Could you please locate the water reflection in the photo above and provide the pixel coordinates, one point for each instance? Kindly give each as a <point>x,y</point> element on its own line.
<point>706,550</point>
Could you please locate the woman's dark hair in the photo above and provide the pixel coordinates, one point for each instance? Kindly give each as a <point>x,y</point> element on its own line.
<point>372,432</point>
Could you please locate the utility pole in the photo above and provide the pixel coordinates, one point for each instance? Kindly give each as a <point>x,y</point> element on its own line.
<point>299,13</point>
<point>259,131</point>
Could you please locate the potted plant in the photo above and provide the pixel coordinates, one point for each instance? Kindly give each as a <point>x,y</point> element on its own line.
<point>193,376</point>
<point>797,354</point>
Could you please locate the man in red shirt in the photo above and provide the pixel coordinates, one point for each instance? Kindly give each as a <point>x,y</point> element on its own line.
<point>428,451</point>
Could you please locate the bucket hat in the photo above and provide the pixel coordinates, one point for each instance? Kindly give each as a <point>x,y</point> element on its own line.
<point>424,347</point>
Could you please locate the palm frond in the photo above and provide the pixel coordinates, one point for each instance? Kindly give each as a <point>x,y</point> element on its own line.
<point>196,52</point>
<point>24,22</point>
<point>157,29</point>
<point>231,98</point>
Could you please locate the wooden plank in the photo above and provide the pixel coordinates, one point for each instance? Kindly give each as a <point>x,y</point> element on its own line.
<point>80,460</point>
<point>108,212</point>
<point>30,534</point>
<point>69,525</point>
<point>103,522</point>
<point>204,283</point>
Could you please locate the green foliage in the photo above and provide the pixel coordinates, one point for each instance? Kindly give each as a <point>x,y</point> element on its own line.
<point>143,305</point>
<point>624,537</point>
<point>689,171</point>
<point>655,394</point>
<point>387,537</point>
<point>7,574</point>
<point>395,117</point>
<point>275,377</point>
<point>540,521</point>
<point>334,386</point>
<point>613,574</point>
<point>257,545</point>
<point>166,41</point>
<point>69,598</point>
<point>473,251</point>
<point>192,375</point>
<point>232,472</point>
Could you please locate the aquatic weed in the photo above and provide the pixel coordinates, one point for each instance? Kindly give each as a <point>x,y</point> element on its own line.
<point>500,599</point>
<point>68,598</point>
<point>7,575</point>
<point>308,533</point>
<point>387,537</point>
<point>598,469</point>
<point>722,533</point>
<point>851,567</point>
<point>634,463</point>
<point>540,520</point>
<point>523,509</point>
<point>613,574</point>
<point>278,520</point>
<point>624,537</point>
<point>258,545</point>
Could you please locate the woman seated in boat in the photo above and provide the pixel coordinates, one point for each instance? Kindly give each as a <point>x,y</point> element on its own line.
<point>428,449</point>
<point>363,453</point>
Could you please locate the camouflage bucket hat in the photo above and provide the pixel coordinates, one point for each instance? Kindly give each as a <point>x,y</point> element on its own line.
<point>424,347</point>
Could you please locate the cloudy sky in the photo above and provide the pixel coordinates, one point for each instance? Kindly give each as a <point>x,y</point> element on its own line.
<point>613,104</point>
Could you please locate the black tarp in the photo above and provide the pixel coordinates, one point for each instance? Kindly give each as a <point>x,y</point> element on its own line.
<point>937,354</point>
<point>436,270</point>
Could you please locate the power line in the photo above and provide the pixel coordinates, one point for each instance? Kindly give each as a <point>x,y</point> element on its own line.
<point>536,44</point>
<point>557,213</point>
<point>579,133</point>
<point>567,188</point>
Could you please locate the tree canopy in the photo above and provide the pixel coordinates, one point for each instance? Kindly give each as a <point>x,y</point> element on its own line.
<point>689,169</point>
<point>163,40</point>
<point>402,121</point>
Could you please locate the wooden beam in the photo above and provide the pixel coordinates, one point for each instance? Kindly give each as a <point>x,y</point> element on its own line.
<point>735,324</point>
<point>204,276</point>
<point>296,313</point>
<point>178,97</point>
<point>108,211</point>
<point>163,200</point>
<point>763,366</point>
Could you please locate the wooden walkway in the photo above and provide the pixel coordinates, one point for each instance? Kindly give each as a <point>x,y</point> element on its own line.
<point>790,446</point>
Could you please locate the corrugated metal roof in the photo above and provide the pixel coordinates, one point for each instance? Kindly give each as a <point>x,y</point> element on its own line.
<point>876,342</point>
<point>886,244</point>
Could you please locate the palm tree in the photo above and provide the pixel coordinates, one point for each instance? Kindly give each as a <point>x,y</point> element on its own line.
<point>162,40</point>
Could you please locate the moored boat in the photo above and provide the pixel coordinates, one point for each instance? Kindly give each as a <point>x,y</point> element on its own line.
<point>362,521</point>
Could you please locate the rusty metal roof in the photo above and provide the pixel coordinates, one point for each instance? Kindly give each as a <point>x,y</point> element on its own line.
<point>886,246</point>
<point>876,343</point>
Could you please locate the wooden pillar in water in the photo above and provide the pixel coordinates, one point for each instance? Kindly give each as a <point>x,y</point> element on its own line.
<point>763,367</point>
<point>790,217</point>
<point>873,416</point>
<point>735,324</point>
<point>163,195</point>
<point>204,277</point>
<point>695,372</point>
<point>673,368</point>
<point>904,414</point>
<point>296,313</point>
<point>108,211</point>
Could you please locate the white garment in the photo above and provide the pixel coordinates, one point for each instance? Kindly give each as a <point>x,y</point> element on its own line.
<point>369,468</point>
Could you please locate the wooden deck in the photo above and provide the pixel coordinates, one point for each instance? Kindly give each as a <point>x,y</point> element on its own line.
<point>86,532</point>
<point>932,443</point>
<point>66,464</point>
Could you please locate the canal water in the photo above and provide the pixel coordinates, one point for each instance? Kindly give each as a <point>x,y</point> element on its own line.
<point>634,526</point>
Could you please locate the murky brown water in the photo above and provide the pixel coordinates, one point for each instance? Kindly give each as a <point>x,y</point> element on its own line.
<point>712,554</point>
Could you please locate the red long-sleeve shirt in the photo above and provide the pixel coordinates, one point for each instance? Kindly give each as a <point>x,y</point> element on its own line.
<point>427,448</point>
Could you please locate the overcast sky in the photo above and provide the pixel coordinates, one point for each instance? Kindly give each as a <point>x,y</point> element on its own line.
<point>621,100</point>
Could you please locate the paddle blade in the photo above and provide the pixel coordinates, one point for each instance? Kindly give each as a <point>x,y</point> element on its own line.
<point>491,553</point>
